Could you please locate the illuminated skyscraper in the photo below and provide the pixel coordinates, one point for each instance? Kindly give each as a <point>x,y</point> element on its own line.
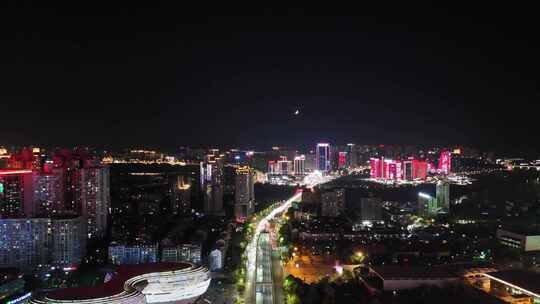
<point>299,165</point>
<point>443,195</point>
<point>94,198</point>
<point>445,161</point>
<point>376,167</point>
<point>323,157</point>
<point>419,169</point>
<point>212,184</point>
<point>244,195</point>
<point>16,193</point>
<point>342,160</point>
<point>285,166</point>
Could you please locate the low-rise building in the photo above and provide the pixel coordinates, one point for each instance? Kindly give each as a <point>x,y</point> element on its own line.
<point>182,253</point>
<point>408,277</point>
<point>120,254</point>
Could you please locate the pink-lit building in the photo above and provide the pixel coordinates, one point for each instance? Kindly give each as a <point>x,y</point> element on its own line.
<point>445,160</point>
<point>389,169</point>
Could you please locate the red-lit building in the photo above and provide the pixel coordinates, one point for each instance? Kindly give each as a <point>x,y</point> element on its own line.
<point>389,169</point>
<point>445,160</point>
<point>342,160</point>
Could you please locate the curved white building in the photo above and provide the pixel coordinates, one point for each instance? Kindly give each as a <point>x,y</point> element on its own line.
<point>179,283</point>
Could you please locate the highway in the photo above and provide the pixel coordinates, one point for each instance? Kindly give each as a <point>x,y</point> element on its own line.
<point>264,282</point>
<point>252,253</point>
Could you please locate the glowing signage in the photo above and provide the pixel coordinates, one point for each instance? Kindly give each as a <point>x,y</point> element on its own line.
<point>1,188</point>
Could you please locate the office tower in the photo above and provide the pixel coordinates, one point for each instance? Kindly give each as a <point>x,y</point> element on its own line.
<point>443,195</point>
<point>49,192</point>
<point>28,242</point>
<point>427,205</point>
<point>212,184</point>
<point>300,165</point>
<point>445,161</point>
<point>93,196</point>
<point>285,166</point>
<point>333,203</point>
<point>120,254</point>
<point>371,209</point>
<point>16,193</point>
<point>244,195</point>
<point>323,157</point>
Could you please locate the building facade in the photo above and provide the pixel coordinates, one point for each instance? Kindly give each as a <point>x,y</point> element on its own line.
<point>93,196</point>
<point>244,195</point>
<point>28,242</point>
<point>322,159</point>
<point>120,254</point>
<point>333,203</point>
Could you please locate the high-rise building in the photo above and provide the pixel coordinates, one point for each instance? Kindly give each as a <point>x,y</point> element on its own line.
<point>342,159</point>
<point>427,205</point>
<point>408,170</point>
<point>273,167</point>
<point>284,166</point>
<point>352,156</point>
<point>16,197</point>
<point>244,195</point>
<point>49,192</point>
<point>443,195</point>
<point>371,209</point>
<point>323,157</point>
<point>311,161</point>
<point>300,165</point>
<point>419,169</point>
<point>212,183</point>
<point>28,242</point>
<point>333,203</point>
<point>180,194</point>
<point>120,254</point>
<point>376,165</point>
<point>445,161</point>
<point>93,195</point>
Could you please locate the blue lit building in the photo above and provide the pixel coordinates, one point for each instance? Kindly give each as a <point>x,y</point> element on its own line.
<point>323,157</point>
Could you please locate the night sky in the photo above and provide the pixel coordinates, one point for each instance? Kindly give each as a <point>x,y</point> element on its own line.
<point>170,76</point>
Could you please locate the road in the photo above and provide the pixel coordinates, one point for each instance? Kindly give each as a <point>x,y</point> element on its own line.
<point>252,247</point>
<point>264,283</point>
<point>250,293</point>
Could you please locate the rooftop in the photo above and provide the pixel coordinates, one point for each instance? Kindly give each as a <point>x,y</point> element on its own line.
<point>526,280</point>
<point>412,272</point>
<point>116,284</point>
